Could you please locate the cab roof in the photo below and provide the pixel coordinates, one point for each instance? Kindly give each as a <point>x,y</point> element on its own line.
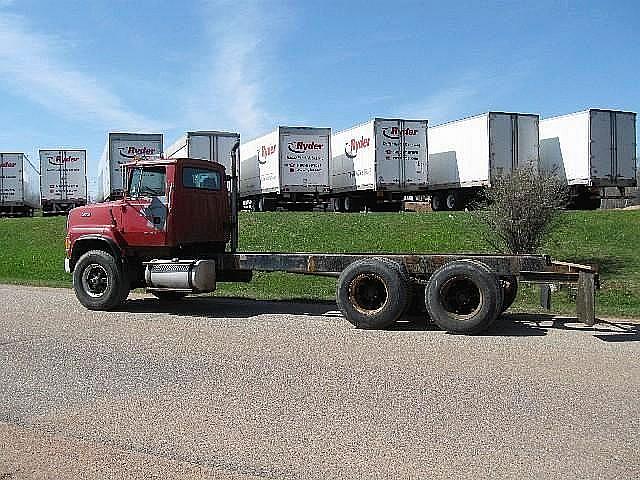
<point>172,161</point>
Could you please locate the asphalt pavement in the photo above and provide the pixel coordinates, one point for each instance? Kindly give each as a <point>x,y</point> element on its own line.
<point>230,389</point>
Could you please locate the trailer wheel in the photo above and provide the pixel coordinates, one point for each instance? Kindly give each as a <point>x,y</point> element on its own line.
<point>99,282</point>
<point>453,201</point>
<point>463,297</point>
<point>169,296</point>
<point>372,294</point>
<point>336,204</point>
<point>437,202</point>
<point>509,284</point>
<point>351,204</point>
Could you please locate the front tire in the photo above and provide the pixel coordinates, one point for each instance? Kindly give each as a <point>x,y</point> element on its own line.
<point>99,281</point>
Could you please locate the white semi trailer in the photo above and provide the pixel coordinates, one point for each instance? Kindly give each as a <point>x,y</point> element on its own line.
<point>287,168</point>
<point>63,179</point>
<point>19,185</point>
<point>590,150</point>
<point>376,164</point>
<point>123,148</point>
<point>467,155</point>
<point>206,145</point>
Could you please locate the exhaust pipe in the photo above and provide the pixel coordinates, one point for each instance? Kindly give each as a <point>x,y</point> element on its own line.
<point>235,167</point>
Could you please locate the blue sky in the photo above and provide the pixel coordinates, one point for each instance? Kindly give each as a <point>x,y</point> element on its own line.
<point>72,70</point>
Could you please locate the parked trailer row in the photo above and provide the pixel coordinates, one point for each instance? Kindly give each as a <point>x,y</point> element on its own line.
<point>377,164</point>
<point>19,185</point>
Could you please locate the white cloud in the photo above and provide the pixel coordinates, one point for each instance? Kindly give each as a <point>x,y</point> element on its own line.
<point>444,105</point>
<point>237,72</point>
<point>31,66</point>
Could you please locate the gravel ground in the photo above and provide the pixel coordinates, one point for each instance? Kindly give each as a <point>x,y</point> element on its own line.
<point>226,389</point>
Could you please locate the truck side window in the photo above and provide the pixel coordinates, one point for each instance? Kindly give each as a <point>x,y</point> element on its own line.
<point>147,182</point>
<point>201,178</point>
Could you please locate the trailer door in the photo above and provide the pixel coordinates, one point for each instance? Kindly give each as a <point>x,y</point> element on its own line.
<point>602,155</point>
<point>414,155</point>
<point>11,185</point>
<point>389,148</point>
<point>625,161</point>
<point>503,143</point>
<point>528,149</point>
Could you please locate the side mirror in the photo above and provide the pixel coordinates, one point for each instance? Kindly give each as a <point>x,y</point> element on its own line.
<point>228,178</point>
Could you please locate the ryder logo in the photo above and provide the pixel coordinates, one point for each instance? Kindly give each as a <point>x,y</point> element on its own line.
<point>301,147</point>
<point>351,147</point>
<point>60,160</point>
<point>7,164</point>
<point>133,152</point>
<point>395,132</point>
<point>265,152</point>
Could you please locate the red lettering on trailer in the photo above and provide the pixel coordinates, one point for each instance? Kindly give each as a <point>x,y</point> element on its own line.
<point>58,160</point>
<point>133,151</point>
<point>7,164</point>
<point>395,132</point>
<point>351,147</point>
<point>268,150</point>
<point>301,147</point>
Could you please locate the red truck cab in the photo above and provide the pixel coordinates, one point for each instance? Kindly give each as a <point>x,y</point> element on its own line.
<point>172,208</point>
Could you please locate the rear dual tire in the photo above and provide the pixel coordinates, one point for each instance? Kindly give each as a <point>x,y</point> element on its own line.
<point>450,200</point>
<point>463,297</point>
<point>373,293</point>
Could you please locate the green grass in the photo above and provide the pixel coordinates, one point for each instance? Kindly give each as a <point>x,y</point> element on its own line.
<point>33,250</point>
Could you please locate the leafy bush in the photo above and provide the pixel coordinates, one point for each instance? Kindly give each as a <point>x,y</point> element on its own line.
<point>521,209</point>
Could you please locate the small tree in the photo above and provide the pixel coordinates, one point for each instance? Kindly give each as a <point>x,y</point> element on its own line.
<point>521,210</point>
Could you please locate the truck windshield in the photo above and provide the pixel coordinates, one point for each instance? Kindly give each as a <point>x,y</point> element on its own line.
<point>147,182</point>
<point>200,178</point>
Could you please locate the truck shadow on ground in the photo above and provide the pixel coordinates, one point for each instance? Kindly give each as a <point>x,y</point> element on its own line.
<point>508,325</point>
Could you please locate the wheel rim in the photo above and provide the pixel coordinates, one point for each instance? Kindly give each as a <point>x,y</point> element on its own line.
<point>435,202</point>
<point>368,293</point>
<point>95,280</point>
<point>461,298</point>
<point>451,201</point>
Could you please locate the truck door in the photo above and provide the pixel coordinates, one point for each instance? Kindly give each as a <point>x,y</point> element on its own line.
<point>144,211</point>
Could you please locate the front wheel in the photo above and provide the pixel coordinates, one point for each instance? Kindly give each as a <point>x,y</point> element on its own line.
<point>99,281</point>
